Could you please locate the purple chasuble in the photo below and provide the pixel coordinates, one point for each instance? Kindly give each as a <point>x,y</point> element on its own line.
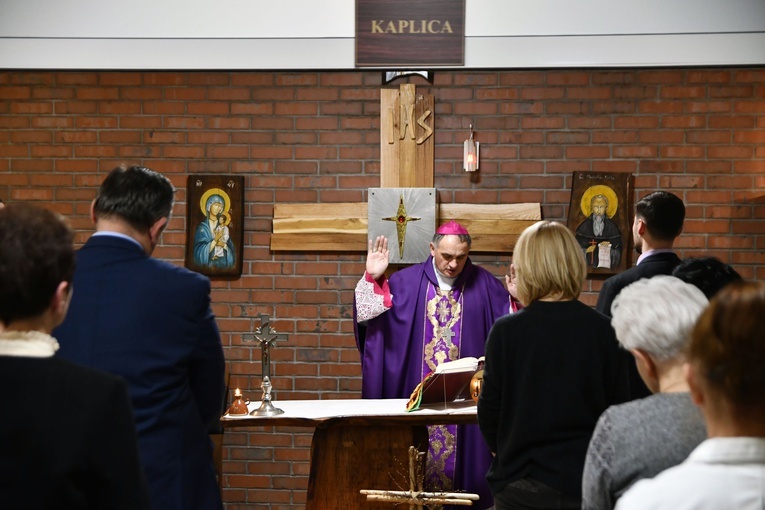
<point>394,352</point>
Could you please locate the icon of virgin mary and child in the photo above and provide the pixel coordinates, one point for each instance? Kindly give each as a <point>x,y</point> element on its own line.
<point>213,247</point>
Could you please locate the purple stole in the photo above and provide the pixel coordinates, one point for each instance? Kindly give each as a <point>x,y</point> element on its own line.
<point>442,332</point>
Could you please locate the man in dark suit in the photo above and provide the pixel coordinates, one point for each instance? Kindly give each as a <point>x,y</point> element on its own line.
<point>659,218</point>
<point>67,435</point>
<point>150,322</point>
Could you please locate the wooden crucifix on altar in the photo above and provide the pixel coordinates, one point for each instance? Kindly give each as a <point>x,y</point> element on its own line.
<point>407,129</point>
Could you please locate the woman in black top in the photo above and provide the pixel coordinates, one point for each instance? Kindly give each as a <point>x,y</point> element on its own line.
<point>551,370</point>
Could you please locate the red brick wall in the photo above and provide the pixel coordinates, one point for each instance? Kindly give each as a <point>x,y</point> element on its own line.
<point>314,137</point>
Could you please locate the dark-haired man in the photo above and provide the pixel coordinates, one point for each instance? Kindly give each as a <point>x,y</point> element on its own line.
<point>67,435</point>
<point>659,218</point>
<point>150,322</point>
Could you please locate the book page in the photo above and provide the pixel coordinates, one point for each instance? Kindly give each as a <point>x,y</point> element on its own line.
<point>461,365</point>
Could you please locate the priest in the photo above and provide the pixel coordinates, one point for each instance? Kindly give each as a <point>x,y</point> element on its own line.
<point>426,314</point>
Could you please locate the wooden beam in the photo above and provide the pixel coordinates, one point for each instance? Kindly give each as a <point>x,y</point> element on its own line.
<point>525,211</point>
<point>346,217</point>
<point>322,242</point>
<point>343,226</point>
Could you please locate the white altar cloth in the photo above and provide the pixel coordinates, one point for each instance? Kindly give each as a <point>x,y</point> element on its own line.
<point>320,410</point>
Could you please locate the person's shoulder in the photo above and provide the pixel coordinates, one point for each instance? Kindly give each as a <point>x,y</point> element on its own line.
<point>579,309</point>
<point>628,412</point>
<point>640,495</point>
<point>659,263</point>
<point>672,489</point>
<point>481,274</point>
<point>179,273</point>
<point>596,323</point>
<point>503,327</point>
<point>614,284</point>
<point>609,285</point>
<point>84,376</point>
<point>516,320</point>
<point>407,273</point>
<point>664,256</point>
<point>677,407</point>
<point>511,318</point>
<point>621,279</point>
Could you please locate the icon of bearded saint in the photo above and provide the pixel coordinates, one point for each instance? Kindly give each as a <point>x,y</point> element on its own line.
<point>599,236</point>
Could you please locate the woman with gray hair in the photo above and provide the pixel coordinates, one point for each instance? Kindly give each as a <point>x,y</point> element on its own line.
<point>724,371</point>
<point>653,319</point>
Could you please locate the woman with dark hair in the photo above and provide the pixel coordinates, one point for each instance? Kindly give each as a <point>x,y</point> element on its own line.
<point>726,356</point>
<point>67,435</point>
<point>551,370</point>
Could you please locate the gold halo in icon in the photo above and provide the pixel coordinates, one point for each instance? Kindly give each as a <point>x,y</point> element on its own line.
<point>599,189</point>
<point>226,202</point>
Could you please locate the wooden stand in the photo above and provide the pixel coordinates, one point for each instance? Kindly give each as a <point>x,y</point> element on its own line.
<point>358,444</point>
<point>344,455</point>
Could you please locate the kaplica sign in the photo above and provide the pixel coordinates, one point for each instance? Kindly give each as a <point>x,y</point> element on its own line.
<point>399,33</point>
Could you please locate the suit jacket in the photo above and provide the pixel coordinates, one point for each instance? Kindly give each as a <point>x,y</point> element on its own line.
<point>67,439</point>
<point>659,263</point>
<point>151,323</point>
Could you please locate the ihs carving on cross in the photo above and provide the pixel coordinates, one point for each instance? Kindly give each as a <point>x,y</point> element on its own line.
<point>266,336</point>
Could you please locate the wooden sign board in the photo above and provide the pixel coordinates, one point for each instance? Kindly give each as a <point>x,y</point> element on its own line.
<point>401,33</point>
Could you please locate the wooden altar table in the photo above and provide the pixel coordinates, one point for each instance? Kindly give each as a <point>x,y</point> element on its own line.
<point>358,443</point>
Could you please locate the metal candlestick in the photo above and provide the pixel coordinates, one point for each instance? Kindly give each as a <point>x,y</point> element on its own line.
<point>266,336</point>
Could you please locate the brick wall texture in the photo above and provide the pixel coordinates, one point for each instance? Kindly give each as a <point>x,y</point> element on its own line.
<point>307,137</point>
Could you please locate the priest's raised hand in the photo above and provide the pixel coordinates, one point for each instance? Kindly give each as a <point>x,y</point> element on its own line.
<point>378,256</point>
<point>511,282</point>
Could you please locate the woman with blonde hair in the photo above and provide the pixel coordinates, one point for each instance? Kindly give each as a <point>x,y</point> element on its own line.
<point>551,370</point>
<point>726,356</point>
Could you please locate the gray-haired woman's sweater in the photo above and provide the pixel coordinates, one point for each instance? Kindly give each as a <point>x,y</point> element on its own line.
<point>638,440</point>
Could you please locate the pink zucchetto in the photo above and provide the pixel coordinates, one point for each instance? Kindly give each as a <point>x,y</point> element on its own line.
<point>452,228</point>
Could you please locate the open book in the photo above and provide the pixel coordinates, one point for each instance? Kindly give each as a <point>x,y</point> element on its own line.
<point>450,381</point>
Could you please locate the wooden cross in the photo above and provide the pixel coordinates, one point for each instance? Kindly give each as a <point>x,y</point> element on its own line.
<point>406,160</point>
<point>416,497</point>
<point>266,336</point>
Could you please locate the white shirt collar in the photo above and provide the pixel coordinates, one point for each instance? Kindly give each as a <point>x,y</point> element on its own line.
<point>652,252</point>
<point>729,450</point>
<point>116,234</point>
<point>444,283</point>
<point>29,344</point>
